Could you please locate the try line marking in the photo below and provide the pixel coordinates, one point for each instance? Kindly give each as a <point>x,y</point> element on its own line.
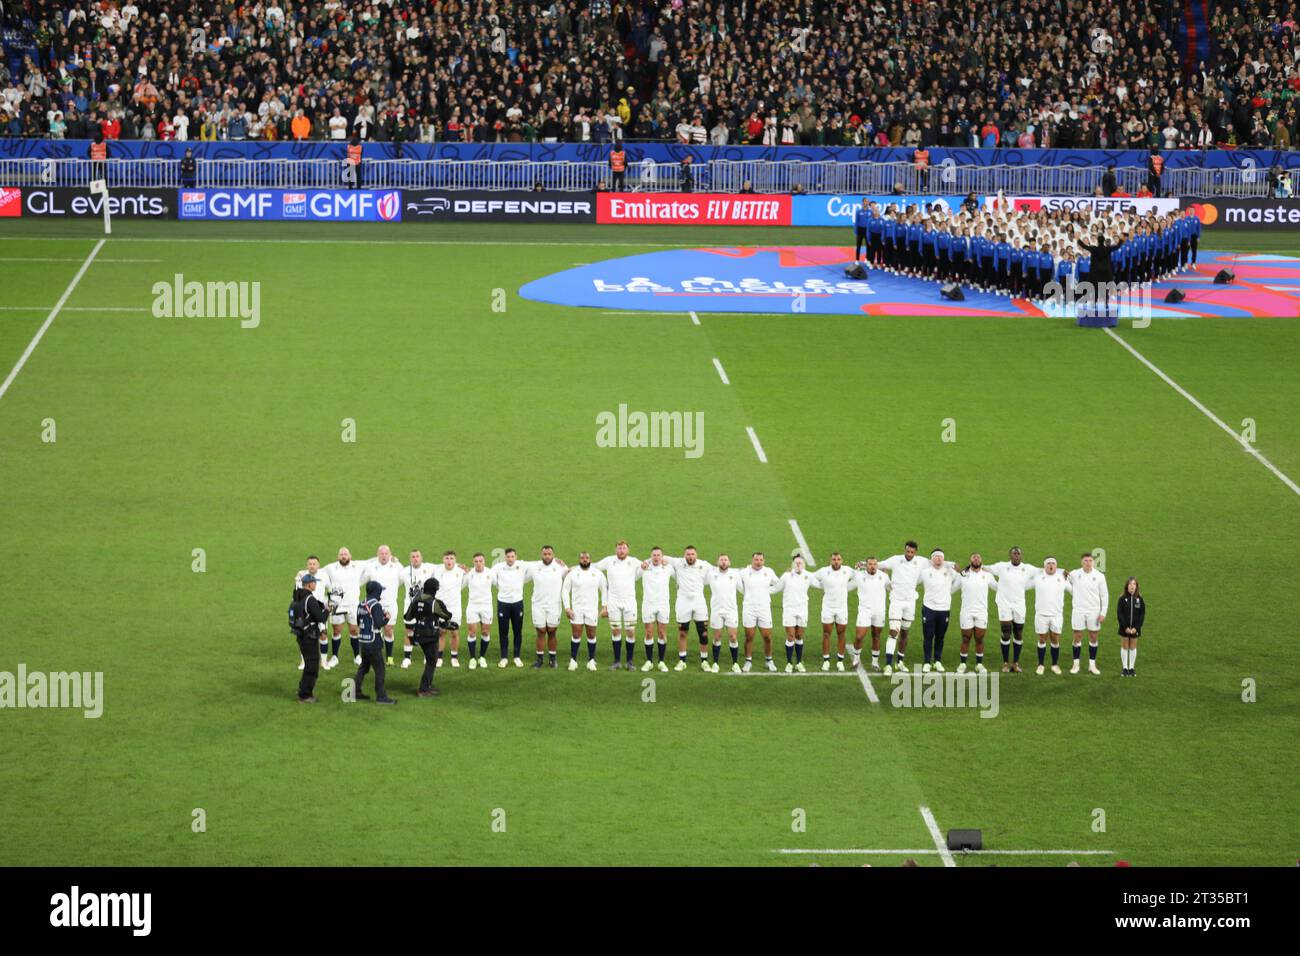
<point>49,320</point>
<point>940,848</point>
<point>1247,446</point>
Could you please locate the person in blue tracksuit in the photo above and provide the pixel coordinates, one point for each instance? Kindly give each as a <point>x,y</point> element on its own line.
<point>861,229</point>
<point>915,235</point>
<point>875,237</point>
<point>1002,264</point>
<point>943,254</point>
<point>1016,266</point>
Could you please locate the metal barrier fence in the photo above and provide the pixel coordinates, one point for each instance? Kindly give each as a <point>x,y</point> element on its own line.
<point>718,176</point>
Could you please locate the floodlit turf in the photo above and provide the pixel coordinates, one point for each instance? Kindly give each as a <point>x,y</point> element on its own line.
<point>476,430</point>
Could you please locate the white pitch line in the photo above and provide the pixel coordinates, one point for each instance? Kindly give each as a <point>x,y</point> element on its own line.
<point>379,242</point>
<point>864,852</point>
<point>66,259</point>
<point>73,308</point>
<point>49,320</point>
<point>866,684</point>
<point>721,374</point>
<point>806,551</point>
<point>695,319</point>
<point>758,449</point>
<point>1247,446</point>
<point>940,844</point>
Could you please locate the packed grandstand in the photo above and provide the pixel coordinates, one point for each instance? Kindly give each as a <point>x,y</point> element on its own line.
<point>983,73</point>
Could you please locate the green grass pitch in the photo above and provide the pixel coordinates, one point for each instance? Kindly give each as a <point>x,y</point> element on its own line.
<point>475,430</point>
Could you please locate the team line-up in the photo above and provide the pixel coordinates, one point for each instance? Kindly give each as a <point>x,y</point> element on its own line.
<point>739,597</point>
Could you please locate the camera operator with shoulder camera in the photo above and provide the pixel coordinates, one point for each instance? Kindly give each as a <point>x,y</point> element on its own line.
<point>307,618</point>
<point>426,616</point>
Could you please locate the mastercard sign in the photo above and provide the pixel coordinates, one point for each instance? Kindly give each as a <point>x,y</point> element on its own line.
<point>1245,213</point>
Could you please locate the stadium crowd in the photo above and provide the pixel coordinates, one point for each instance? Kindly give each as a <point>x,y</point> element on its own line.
<point>990,73</point>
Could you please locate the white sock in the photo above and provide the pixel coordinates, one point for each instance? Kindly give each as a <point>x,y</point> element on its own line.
<point>1123,657</point>
<point>1132,657</point>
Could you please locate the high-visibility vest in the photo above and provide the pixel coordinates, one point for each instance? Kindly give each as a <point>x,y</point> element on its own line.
<point>354,154</point>
<point>99,151</point>
<point>921,157</point>
<point>1157,164</point>
<point>618,160</point>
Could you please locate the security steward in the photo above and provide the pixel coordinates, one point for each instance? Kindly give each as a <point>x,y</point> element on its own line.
<point>371,618</point>
<point>307,618</point>
<point>427,616</point>
<point>618,166</point>
<point>352,167</point>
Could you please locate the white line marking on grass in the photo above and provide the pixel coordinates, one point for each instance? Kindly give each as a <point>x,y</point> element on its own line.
<point>866,684</point>
<point>72,308</point>
<point>721,373</point>
<point>1249,448</point>
<point>758,449</point>
<point>806,551</point>
<point>636,312</point>
<point>49,320</point>
<point>865,852</point>
<point>66,259</point>
<point>695,319</point>
<point>940,845</point>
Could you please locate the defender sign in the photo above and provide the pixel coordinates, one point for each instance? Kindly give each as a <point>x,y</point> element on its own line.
<point>475,205</point>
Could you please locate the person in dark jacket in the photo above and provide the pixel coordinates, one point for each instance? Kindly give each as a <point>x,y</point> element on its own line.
<point>371,618</point>
<point>1109,184</point>
<point>1101,271</point>
<point>189,170</point>
<point>426,616</point>
<point>1130,612</point>
<point>308,618</point>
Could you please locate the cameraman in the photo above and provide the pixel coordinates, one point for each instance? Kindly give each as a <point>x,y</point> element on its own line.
<point>426,616</point>
<point>307,617</point>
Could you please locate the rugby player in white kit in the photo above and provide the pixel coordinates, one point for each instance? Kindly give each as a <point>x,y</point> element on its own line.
<point>1050,586</point>
<point>835,581</point>
<point>655,575</point>
<point>1013,577</point>
<point>872,584</point>
<point>621,572</point>
<point>758,583</point>
<point>1088,606</point>
<point>973,621</point>
<point>723,581</point>
<point>904,570</point>
<point>386,571</point>
<point>547,576</point>
<point>690,606</point>
<point>451,581</point>
<point>583,596</point>
<point>479,580</point>
<point>794,585</point>
<point>342,595</point>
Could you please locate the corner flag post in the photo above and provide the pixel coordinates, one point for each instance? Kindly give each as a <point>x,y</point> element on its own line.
<point>99,187</point>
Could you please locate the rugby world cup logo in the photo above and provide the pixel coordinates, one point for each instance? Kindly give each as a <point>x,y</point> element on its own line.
<point>389,206</point>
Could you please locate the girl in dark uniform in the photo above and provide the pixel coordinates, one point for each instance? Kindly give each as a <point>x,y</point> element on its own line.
<point>1130,612</point>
